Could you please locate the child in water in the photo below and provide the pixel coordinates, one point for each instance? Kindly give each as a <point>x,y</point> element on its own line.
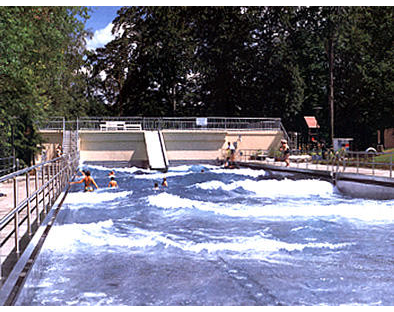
<point>113,183</point>
<point>164,183</point>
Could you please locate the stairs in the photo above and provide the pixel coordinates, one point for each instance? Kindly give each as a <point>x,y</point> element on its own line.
<point>69,141</point>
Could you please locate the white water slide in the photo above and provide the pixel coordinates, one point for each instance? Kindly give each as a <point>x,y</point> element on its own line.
<point>156,150</point>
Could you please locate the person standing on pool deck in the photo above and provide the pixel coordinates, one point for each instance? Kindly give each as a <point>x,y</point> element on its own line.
<point>89,182</point>
<point>286,152</point>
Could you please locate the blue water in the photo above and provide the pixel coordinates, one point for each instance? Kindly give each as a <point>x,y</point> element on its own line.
<point>218,237</point>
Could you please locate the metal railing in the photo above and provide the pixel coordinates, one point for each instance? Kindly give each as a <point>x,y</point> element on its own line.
<point>372,161</point>
<point>8,165</point>
<point>169,123</point>
<point>41,185</point>
<point>352,162</point>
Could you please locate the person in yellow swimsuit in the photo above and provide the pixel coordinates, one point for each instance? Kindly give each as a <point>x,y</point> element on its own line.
<point>89,182</point>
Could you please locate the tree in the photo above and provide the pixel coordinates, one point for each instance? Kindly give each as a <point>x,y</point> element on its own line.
<point>227,61</point>
<point>41,57</point>
<point>365,74</point>
<point>145,67</point>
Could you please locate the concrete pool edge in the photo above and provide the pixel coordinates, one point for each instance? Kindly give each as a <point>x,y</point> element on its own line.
<point>349,184</point>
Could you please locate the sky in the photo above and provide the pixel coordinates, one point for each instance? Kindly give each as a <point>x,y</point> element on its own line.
<point>100,23</point>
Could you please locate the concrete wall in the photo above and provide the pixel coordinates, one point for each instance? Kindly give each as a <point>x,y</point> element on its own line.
<point>209,145</point>
<point>113,146</point>
<point>181,145</point>
<point>193,145</point>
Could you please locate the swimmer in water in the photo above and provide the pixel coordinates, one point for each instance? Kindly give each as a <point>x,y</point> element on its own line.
<point>89,182</point>
<point>156,186</point>
<point>113,183</point>
<point>111,174</point>
<point>164,183</point>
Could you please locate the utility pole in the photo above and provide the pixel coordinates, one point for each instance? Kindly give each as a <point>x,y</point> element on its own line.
<point>334,28</point>
<point>174,98</point>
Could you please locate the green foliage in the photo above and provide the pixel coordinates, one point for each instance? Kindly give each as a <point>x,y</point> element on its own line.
<point>254,61</point>
<point>41,58</point>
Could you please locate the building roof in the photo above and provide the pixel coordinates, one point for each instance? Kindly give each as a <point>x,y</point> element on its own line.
<point>311,122</point>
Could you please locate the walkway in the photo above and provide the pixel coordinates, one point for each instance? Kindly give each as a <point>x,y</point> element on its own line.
<point>329,168</point>
<point>7,205</point>
<point>14,237</point>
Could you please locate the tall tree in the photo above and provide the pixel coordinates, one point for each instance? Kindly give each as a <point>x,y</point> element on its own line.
<point>364,73</point>
<point>41,59</point>
<point>253,61</point>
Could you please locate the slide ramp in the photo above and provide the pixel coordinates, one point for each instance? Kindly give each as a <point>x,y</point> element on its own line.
<point>156,150</point>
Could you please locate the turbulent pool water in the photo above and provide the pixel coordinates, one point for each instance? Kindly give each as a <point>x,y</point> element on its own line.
<point>218,237</point>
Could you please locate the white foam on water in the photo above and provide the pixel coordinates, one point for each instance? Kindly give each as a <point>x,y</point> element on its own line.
<point>241,171</point>
<point>256,245</point>
<point>362,210</point>
<point>95,197</point>
<point>275,188</point>
<point>186,169</point>
<point>215,185</point>
<point>130,170</point>
<point>183,168</point>
<point>71,237</point>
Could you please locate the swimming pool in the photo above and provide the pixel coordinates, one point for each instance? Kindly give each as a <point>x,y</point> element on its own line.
<point>217,237</point>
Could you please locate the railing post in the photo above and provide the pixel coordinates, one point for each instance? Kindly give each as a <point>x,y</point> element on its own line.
<point>37,186</point>
<point>43,189</point>
<point>391,165</point>
<point>57,181</point>
<point>52,188</point>
<point>358,162</point>
<point>373,165</point>
<point>49,188</point>
<point>28,204</point>
<point>16,217</point>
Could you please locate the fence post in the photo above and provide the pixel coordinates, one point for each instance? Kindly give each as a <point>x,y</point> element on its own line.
<point>28,204</point>
<point>16,217</point>
<point>49,187</point>
<point>373,165</point>
<point>391,165</point>
<point>36,185</point>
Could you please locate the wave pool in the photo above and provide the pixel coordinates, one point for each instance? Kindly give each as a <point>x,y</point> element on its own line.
<point>217,237</point>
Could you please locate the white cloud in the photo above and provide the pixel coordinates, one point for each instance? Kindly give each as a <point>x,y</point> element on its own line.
<point>100,38</point>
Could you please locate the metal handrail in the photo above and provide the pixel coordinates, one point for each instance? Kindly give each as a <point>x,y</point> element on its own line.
<point>8,164</point>
<point>169,123</point>
<point>55,175</point>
